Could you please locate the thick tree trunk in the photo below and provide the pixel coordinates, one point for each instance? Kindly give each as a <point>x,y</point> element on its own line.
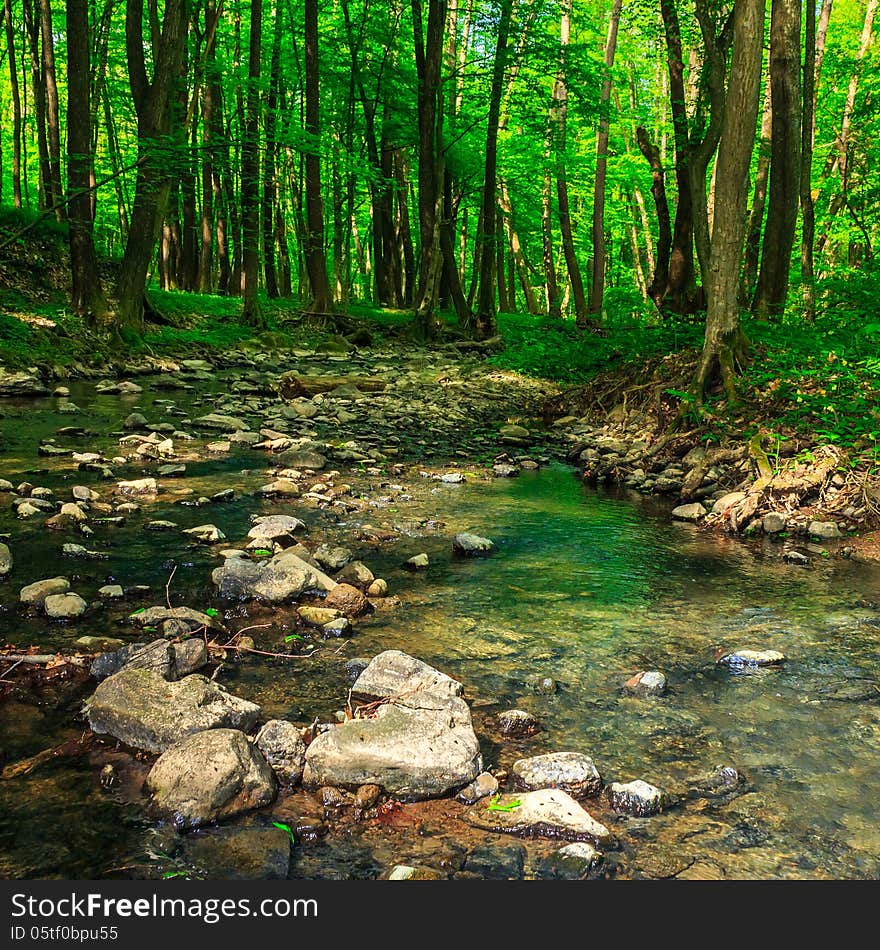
<point>785,162</point>
<point>87,297</point>
<point>316,260</point>
<point>153,101</point>
<point>560,111</point>
<point>16,104</point>
<point>724,341</point>
<point>597,288</point>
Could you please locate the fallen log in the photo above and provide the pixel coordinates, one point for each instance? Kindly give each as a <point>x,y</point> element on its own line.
<point>293,385</point>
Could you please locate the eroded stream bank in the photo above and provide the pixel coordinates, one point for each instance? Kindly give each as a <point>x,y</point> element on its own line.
<point>584,590</point>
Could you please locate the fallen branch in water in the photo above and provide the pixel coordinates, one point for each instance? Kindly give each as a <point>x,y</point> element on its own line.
<point>73,747</point>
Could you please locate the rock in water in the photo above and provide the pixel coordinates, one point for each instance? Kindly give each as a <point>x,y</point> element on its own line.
<point>393,673</point>
<point>420,746</point>
<point>240,853</point>
<point>347,599</point>
<point>5,559</point>
<point>283,748</point>
<point>280,579</point>
<point>484,784</point>
<point>418,562</point>
<point>141,709</point>
<point>742,659</point>
<point>472,545</point>
<point>67,606</point>
<point>574,862</point>
<point>518,722</point>
<point>636,798</point>
<point>21,384</point>
<point>548,813</point>
<point>692,512</point>
<point>647,683</point>
<point>573,772</point>
<point>208,776</point>
<point>34,595</point>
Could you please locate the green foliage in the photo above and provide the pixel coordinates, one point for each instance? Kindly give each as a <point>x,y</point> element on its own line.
<point>556,349</point>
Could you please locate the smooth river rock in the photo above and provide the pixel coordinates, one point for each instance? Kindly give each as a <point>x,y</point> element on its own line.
<point>66,606</point>
<point>548,813</point>
<point>141,709</point>
<point>692,512</point>
<point>573,772</point>
<point>209,776</point>
<point>472,545</point>
<point>636,798</point>
<point>5,559</point>
<point>392,673</point>
<point>284,577</point>
<point>739,659</point>
<point>34,595</point>
<point>646,683</point>
<point>420,746</point>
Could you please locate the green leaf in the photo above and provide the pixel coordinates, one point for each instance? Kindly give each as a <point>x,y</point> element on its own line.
<point>495,805</point>
<point>288,829</point>
<point>212,612</point>
<point>262,552</point>
<point>293,636</point>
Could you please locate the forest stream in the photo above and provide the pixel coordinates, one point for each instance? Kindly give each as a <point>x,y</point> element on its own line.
<point>585,589</point>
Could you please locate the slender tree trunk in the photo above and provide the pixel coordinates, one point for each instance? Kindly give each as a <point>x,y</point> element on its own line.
<point>485,322</point>
<point>660,279</point>
<point>516,249</point>
<point>87,297</point>
<point>759,202</point>
<point>821,36</point>
<point>560,110</point>
<point>53,125</point>
<point>38,85</point>
<point>724,341</point>
<point>547,257</point>
<point>270,183</point>
<point>250,175</point>
<point>808,232</point>
<point>680,282</point>
<point>428,42</point>
<point>210,186</point>
<point>597,287</point>
<point>785,162</point>
<point>316,261</point>
<point>16,104</point>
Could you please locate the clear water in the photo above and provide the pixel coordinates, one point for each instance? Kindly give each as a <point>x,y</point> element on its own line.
<point>585,588</point>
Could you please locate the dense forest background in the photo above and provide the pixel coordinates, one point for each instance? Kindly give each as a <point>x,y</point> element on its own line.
<point>603,163</point>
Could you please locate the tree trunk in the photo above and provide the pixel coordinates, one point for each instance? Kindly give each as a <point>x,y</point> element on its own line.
<point>660,279</point>
<point>821,36</point>
<point>87,297</point>
<point>547,256</point>
<point>250,176</point>
<point>270,183</point>
<point>724,341</point>
<point>153,102</point>
<point>597,287</point>
<point>53,126</point>
<point>785,161</point>
<point>516,250</point>
<point>808,231</point>
<point>485,322</point>
<point>16,105</point>
<point>316,261</point>
<point>680,281</point>
<point>428,42</point>
<point>759,201</point>
<point>38,85</point>
<point>210,177</point>
<point>560,110</point>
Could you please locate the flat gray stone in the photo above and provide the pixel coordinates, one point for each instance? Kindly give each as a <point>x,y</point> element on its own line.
<point>573,772</point>
<point>548,813</point>
<point>392,673</point>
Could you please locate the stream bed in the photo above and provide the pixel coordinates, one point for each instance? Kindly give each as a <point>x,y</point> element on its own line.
<point>585,589</point>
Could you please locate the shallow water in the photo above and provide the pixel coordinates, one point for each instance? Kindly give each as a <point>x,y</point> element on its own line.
<point>585,588</point>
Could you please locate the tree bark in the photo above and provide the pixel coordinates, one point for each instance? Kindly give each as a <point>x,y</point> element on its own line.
<point>250,175</point>
<point>210,176</point>
<point>87,297</point>
<point>597,287</point>
<point>808,215</point>
<point>316,260</point>
<point>724,343</point>
<point>270,183</point>
<point>660,278</point>
<point>560,111</point>
<point>16,105</point>
<point>53,125</point>
<point>485,320</point>
<point>153,100</point>
<point>759,203</point>
<point>785,161</point>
